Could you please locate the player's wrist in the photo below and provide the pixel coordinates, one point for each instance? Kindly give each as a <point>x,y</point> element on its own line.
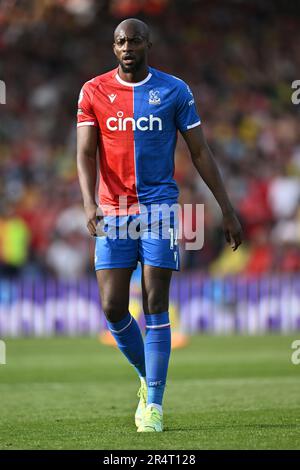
<point>88,204</point>
<point>228,211</point>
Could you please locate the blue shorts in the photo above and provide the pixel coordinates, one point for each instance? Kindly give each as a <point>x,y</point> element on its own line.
<point>149,237</point>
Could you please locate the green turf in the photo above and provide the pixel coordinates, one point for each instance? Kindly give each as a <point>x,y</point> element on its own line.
<point>222,393</point>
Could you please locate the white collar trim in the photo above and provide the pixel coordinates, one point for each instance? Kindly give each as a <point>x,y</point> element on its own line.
<point>133,84</point>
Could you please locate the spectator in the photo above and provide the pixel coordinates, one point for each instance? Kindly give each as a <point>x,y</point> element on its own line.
<point>240,67</point>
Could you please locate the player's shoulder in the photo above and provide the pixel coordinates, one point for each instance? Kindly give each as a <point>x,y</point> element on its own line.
<point>99,80</point>
<point>168,79</point>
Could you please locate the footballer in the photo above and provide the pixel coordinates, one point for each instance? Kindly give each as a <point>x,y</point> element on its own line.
<point>130,117</point>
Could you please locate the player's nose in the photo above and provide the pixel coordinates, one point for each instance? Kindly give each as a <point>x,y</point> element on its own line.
<point>127,46</point>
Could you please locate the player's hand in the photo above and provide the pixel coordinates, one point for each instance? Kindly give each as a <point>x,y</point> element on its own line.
<point>91,217</point>
<point>232,230</point>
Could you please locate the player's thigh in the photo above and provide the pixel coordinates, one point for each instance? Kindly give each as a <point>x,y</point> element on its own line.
<point>114,248</point>
<point>114,287</point>
<point>158,244</point>
<point>155,288</point>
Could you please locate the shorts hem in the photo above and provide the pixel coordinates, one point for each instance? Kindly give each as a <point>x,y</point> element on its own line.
<point>109,266</point>
<point>160,265</point>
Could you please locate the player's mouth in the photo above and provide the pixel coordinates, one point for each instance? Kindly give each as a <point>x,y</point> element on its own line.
<point>128,59</point>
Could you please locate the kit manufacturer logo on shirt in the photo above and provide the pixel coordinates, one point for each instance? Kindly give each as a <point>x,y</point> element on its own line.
<point>112,97</point>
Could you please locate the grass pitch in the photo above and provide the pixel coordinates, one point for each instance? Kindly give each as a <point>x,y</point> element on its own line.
<point>223,393</point>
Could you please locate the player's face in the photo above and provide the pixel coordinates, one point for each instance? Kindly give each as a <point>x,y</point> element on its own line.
<point>131,48</point>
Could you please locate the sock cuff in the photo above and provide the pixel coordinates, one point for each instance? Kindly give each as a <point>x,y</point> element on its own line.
<point>119,326</point>
<point>157,320</point>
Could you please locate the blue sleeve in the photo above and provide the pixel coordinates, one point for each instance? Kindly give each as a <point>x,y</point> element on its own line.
<point>187,116</point>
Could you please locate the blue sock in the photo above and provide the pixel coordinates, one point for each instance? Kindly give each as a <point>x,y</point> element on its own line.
<point>157,352</point>
<point>130,341</point>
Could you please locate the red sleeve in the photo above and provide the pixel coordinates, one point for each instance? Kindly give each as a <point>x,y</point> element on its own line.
<point>85,113</point>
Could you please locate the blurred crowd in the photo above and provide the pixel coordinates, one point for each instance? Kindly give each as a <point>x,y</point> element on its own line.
<point>240,59</point>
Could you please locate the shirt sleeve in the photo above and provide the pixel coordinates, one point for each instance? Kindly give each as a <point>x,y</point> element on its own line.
<point>187,116</point>
<point>85,112</point>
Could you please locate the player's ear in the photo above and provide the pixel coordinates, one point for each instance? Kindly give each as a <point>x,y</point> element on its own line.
<point>114,49</point>
<point>149,45</point>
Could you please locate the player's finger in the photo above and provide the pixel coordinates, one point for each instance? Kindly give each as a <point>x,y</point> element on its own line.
<point>92,227</point>
<point>237,240</point>
<point>227,236</point>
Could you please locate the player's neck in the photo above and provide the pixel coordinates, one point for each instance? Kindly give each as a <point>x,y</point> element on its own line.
<point>134,77</point>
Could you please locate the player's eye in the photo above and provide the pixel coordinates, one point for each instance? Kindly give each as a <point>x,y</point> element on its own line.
<point>137,40</point>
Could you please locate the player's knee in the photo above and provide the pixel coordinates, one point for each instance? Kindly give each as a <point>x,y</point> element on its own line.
<point>114,311</point>
<point>156,304</point>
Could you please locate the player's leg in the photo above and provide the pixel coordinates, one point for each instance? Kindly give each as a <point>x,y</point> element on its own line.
<point>115,259</point>
<point>155,288</point>
<point>114,291</point>
<point>158,252</point>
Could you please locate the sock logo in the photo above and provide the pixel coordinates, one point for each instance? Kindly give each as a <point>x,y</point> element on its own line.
<point>155,383</point>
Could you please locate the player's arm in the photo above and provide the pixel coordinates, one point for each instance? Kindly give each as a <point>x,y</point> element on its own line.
<point>207,168</point>
<point>87,138</point>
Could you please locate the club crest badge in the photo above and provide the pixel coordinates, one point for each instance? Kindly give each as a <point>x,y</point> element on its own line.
<point>154,97</point>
